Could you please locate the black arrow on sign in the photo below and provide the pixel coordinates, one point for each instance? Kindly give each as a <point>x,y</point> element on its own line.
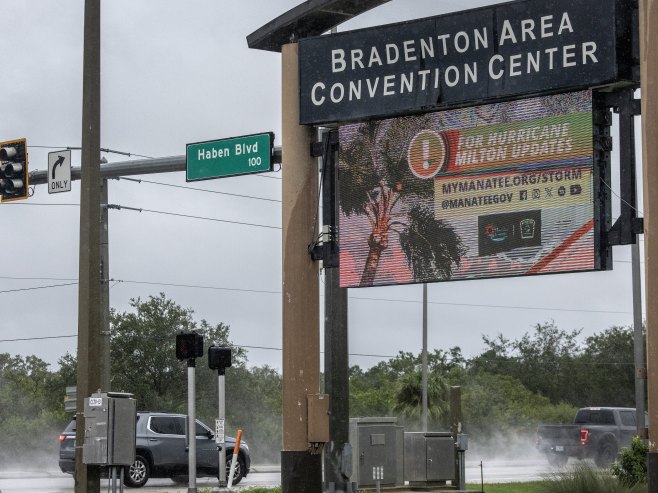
<point>59,162</point>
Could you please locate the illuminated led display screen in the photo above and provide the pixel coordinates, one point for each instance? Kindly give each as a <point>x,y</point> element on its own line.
<point>497,190</point>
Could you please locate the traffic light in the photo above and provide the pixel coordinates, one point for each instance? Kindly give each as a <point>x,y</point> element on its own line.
<point>189,345</point>
<point>13,170</point>
<point>219,358</point>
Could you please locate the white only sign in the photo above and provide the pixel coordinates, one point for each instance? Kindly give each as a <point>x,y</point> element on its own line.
<point>59,171</point>
<point>219,432</point>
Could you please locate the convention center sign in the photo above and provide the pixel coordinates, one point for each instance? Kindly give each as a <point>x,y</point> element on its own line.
<point>504,189</point>
<point>501,52</point>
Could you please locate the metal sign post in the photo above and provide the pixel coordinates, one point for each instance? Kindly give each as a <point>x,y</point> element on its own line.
<point>219,358</point>
<point>189,346</point>
<point>191,425</point>
<point>220,437</point>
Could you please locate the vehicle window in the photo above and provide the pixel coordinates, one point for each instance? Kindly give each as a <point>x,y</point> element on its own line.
<point>607,417</point>
<point>200,429</point>
<point>168,425</point>
<point>627,418</point>
<point>595,416</point>
<point>582,417</point>
<point>70,427</point>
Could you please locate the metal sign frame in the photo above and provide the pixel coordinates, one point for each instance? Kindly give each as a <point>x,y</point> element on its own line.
<point>502,52</point>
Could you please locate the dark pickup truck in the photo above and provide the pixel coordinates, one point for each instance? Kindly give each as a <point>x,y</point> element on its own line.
<point>597,433</point>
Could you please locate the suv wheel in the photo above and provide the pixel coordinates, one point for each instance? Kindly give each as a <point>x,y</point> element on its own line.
<point>137,474</point>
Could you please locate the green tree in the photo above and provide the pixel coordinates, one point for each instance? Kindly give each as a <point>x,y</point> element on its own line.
<point>545,361</point>
<point>144,363</point>
<point>31,398</point>
<point>143,348</point>
<point>607,365</point>
<point>375,392</point>
<point>375,183</point>
<point>408,398</point>
<point>500,404</point>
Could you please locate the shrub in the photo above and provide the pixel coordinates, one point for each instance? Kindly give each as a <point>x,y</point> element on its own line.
<point>585,479</point>
<point>631,468</point>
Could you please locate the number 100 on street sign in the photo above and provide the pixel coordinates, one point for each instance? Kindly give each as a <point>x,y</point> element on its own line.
<point>229,157</point>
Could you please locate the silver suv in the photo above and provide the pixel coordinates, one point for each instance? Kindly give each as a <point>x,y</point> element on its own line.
<point>160,450</point>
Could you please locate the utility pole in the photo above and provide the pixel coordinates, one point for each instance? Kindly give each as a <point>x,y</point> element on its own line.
<point>301,470</point>
<point>87,478</point>
<point>649,88</point>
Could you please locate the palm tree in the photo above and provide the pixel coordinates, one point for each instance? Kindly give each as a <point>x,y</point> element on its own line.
<point>409,396</point>
<point>375,181</point>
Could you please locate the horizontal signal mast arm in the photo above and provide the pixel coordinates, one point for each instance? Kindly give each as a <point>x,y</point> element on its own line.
<point>137,167</point>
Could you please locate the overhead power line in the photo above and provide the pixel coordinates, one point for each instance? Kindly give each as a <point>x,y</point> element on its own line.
<point>218,288</point>
<point>139,180</point>
<point>38,287</point>
<point>36,203</point>
<point>189,216</point>
<point>362,298</point>
<point>19,339</point>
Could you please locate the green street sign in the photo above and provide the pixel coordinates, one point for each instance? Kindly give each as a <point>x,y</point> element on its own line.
<point>229,157</point>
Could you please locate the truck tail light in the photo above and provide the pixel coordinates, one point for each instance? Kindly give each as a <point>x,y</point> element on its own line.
<point>584,436</point>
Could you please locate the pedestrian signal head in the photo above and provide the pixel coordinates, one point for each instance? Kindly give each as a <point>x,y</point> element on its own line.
<point>189,345</point>
<point>219,358</point>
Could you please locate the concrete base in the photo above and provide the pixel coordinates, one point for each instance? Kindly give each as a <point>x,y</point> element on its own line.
<point>652,472</point>
<point>301,472</point>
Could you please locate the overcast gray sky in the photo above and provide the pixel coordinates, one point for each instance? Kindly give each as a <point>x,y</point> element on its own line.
<point>180,72</point>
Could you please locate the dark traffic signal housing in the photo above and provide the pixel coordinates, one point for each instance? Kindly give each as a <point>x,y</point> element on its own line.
<point>13,170</point>
<point>219,358</point>
<point>189,345</point>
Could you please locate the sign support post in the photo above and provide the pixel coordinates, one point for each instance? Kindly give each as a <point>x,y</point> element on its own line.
<point>219,358</point>
<point>338,451</point>
<point>649,85</point>
<point>221,440</point>
<point>301,471</point>
<point>191,425</point>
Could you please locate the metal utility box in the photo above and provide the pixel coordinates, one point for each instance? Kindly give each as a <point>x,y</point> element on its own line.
<point>429,457</point>
<point>109,429</point>
<point>318,418</point>
<point>377,443</point>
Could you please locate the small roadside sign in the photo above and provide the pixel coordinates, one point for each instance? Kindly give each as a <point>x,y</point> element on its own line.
<point>219,432</point>
<point>229,157</point>
<point>59,171</point>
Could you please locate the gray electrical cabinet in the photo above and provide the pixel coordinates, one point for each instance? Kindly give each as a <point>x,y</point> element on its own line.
<point>110,419</point>
<point>377,445</point>
<point>429,458</point>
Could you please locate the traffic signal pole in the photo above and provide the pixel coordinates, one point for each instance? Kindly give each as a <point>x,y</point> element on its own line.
<point>649,87</point>
<point>87,477</point>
